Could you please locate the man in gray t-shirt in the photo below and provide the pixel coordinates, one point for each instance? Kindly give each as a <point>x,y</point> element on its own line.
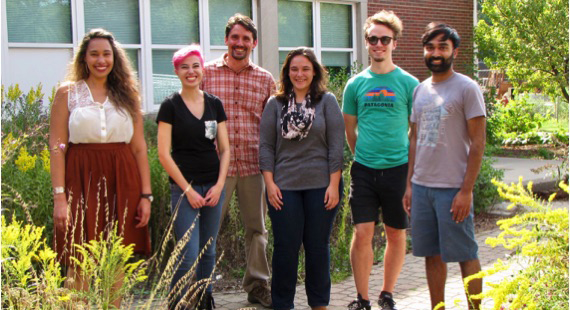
<point>447,141</point>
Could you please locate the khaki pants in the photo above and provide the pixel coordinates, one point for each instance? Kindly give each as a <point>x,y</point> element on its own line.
<point>253,209</point>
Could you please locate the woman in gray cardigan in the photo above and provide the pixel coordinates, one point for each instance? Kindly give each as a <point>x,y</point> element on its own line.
<point>301,151</point>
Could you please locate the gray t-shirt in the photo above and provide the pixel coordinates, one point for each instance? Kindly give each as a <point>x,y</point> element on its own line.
<point>308,163</point>
<point>440,112</point>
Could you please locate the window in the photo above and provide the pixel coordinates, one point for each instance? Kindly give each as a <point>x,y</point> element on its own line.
<point>39,21</point>
<point>220,11</point>
<point>174,24</point>
<point>119,17</point>
<point>327,27</point>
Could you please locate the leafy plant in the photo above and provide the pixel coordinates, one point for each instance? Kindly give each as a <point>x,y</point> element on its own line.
<point>104,264</point>
<point>540,238</point>
<point>484,193</point>
<point>534,57</point>
<point>30,273</point>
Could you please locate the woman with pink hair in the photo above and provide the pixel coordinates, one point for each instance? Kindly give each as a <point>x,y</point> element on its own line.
<point>190,123</point>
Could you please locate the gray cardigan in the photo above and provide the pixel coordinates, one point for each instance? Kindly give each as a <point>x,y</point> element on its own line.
<point>305,164</point>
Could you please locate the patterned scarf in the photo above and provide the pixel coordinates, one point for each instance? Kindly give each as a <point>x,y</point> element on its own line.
<point>296,122</point>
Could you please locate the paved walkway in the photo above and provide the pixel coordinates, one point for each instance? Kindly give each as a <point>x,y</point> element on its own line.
<point>411,290</point>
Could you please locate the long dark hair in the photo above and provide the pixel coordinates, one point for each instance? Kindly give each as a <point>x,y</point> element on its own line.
<point>121,82</point>
<point>318,85</point>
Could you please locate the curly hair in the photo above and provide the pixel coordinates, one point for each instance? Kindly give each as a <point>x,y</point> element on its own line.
<point>319,84</point>
<point>386,18</point>
<point>121,82</point>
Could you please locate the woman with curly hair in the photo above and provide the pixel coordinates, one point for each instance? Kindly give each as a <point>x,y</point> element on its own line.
<point>99,166</point>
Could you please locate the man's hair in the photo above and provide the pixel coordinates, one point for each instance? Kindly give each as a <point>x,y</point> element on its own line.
<point>434,29</point>
<point>244,21</point>
<point>386,18</point>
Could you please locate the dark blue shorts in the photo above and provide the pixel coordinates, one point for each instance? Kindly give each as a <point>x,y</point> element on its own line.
<point>434,232</point>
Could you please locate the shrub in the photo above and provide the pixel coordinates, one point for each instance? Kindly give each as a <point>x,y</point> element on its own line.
<point>540,238</point>
<point>561,136</point>
<point>31,277</point>
<point>517,123</point>
<point>26,182</point>
<point>493,123</point>
<point>484,192</point>
<point>30,273</point>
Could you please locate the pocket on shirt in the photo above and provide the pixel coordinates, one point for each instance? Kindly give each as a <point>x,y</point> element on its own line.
<point>211,129</point>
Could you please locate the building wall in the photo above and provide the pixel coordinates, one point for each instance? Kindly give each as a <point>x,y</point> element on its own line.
<point>415,15</point>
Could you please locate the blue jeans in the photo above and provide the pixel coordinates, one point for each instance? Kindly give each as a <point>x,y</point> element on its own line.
<point>206,227</point>
<point>303,219</point>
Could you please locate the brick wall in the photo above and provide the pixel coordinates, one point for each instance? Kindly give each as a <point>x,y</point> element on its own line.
<point>415,15</point>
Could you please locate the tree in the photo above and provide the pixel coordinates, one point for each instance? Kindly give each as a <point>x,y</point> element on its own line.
<point>528,39</point>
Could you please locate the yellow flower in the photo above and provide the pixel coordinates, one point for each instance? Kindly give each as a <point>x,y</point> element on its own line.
<point>45,159</point>
<point>65,298</point>
<point>9,146</point>
<point>25,161</point>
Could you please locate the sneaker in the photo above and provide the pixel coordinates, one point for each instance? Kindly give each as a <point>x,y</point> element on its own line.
<point>359,304</point>
<point>261,294</point>
<point>206,302</point>
<point>386,302</point>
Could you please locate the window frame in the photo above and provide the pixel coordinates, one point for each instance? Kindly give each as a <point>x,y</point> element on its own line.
<point>143,49</point>
<point>317,44</point>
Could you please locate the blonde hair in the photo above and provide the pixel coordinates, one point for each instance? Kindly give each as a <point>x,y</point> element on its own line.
<point>121,82</point>
<point>386,18</point>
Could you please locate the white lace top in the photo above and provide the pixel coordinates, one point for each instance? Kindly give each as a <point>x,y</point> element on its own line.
<point>94,122</point>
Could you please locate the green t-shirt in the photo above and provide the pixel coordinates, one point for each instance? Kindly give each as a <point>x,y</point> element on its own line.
<point>382,103</point>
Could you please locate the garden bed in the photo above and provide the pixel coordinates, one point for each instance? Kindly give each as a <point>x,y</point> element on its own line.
<point>541,151</point>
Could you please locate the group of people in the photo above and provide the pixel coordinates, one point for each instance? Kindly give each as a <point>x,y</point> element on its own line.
<point>418,150</point>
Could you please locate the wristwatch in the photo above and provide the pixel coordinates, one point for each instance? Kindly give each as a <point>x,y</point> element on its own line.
<point>147,196</point>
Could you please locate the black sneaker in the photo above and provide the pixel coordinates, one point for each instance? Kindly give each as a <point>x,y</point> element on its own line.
<point>386,302</point>
<point>206,302</point>
<point>359,304</point>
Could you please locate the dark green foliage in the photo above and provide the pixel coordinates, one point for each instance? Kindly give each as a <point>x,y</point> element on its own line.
<point>485,193</point>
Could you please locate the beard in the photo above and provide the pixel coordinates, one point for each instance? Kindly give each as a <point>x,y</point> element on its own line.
<point>444,66</point>
<point>378,59</point>
<point>238,56</point>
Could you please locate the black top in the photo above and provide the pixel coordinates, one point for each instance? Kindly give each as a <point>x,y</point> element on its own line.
<point>193,148</point>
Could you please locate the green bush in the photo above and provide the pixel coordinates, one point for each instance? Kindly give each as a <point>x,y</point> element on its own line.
<point>485,194</point>
<point>26,182</point>
<point>561,136</point>
<point>493,123</point>
<point>519,116</point>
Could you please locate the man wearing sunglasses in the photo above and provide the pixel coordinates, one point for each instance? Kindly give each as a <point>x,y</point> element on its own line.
<point>378,101</point>
<point>447,140</point>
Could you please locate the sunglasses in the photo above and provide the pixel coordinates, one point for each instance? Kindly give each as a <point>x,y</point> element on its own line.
<point>384,39</point>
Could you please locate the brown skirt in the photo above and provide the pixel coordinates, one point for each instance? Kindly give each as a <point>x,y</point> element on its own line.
<point>103,186</point>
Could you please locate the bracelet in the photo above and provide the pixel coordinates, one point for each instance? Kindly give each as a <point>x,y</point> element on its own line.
<point>188,187</point>
<point>58,190</point>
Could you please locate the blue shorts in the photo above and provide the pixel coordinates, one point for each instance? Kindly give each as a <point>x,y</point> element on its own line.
<point>434,232</point>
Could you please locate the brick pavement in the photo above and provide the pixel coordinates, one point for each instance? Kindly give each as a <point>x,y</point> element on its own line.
<point>411,290</point>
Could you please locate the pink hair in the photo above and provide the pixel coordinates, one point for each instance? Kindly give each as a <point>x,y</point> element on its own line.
<point>185,52</point>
